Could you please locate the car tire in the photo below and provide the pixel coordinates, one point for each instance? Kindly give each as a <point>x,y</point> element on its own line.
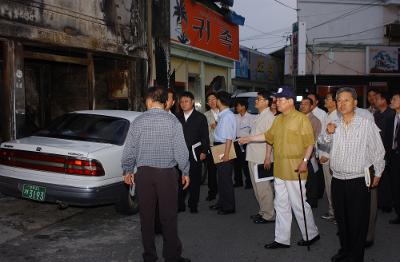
<point>127,204</point>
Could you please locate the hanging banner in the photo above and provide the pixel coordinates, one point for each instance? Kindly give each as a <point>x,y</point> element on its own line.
<point>196,25</point>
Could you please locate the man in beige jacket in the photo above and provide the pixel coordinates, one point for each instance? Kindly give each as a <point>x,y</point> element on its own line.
<point>257,154</point>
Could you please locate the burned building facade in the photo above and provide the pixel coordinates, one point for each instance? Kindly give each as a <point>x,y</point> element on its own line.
<point>57,56</point>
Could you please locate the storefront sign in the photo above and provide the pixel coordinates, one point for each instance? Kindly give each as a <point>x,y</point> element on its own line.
<point>242,66</point>
<point>196,25</point>
<point>383,60</point>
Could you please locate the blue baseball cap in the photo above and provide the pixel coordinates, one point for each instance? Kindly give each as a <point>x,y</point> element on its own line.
<point>285,91</point>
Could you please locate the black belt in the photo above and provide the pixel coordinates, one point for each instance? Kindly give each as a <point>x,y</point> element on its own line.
<point>217,143</point>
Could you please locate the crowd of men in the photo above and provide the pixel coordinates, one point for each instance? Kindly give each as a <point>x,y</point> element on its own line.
<point>289,158</point>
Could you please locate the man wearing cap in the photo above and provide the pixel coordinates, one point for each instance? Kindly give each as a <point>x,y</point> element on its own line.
<point>292,137</point>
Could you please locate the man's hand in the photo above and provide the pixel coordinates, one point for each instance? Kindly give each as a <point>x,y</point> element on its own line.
<point>330,128</point>
<point>302,167</point>
<point>185,182</point>
<point>202,156</point>
<point>267,163</point>
<point>213,125</point>
<point>244,140</point>
<point>225,158</point>
<point>375,181</point>
<point>323,159</point>
<point>129,179</point>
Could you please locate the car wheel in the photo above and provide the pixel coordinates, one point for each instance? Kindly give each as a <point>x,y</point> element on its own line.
<point>128,203</point>
<point>203,173</point>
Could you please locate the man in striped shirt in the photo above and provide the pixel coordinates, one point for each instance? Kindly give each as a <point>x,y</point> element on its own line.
<point>355,146</point>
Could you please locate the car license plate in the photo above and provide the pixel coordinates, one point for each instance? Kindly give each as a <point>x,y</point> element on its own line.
<point>33,192</point>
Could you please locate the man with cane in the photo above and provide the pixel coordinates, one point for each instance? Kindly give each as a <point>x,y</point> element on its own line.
<point>292,137</point>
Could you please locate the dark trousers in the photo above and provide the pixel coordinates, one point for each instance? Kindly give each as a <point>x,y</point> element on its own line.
<point>226,193</point>
<point>351,202</point>
<point>195,182</point>
<point>312,186</point>
<point>241,165</point>
<point>212,176</point>
<point>385,190</point>
<point>321,181</point>
<point>395,178</point>
<point>158,185</point>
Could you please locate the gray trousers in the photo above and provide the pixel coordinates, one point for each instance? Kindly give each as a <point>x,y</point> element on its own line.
<point>264,193</point>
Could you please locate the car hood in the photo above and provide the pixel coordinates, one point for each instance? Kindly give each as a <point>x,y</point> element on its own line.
<point>55,146</point>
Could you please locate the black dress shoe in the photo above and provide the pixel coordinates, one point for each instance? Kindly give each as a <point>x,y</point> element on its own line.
<point>181,209</point>
<point>237,185</point>
<point>309,242</point>
<point>225,212</point>
<point>209,198</point>
<point>256,216</point>
<point>368,244</point>
<point>275,245</point>
<point>215,207</point>
<point>248,186</point>
<point>262,221</point>
<point>194,210</point>
<point>340,256</point>
<point>395,221</point>
<point>184,259</point>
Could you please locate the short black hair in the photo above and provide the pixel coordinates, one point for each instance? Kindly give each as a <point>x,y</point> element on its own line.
<point>242,101</point>
<point>264,93</point>
<point>187,94</point>
<point>172,91</point>
<point>211,94</point>
<point>157,94</point>
<point>372,90</point>
<point>309,99</point>
<point>224,97</point>
<point>315,95</point>
<point>332,93</point>
<point>384,95</point>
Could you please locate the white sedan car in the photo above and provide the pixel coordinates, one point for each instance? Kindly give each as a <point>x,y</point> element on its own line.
<point>75,161</point>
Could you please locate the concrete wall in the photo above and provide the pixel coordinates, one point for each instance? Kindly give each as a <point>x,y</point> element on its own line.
<point>346,21</point>
<point>114,26</point>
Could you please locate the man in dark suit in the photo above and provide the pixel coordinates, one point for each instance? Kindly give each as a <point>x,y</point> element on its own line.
<point>394,161</point>
<point>195,129</point>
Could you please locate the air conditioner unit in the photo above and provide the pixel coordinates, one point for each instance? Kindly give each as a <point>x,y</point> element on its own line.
<point>392,31</point>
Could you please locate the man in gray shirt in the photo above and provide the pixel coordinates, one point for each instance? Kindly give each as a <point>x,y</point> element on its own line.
<point>155,145</point>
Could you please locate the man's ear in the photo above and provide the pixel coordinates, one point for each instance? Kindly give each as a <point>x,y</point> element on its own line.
<point>356,102</point>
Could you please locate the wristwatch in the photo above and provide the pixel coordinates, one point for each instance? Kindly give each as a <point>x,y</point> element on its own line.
<point>305,159</point>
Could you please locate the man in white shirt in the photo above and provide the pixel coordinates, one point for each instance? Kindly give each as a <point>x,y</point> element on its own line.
<point>323,152</point>
<point>212,119</point>
<point>321,115</point>
<point>243,124</point>
<point>355,146</point>
<point>256,154</point>
<point>395,159</point>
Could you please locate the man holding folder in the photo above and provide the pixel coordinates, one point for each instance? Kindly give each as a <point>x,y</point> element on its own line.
<point>225,133</point>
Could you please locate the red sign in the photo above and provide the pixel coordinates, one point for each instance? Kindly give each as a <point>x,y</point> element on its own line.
<point>200,27</point>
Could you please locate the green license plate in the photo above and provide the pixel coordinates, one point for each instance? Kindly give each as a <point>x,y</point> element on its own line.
<point>33,192</point>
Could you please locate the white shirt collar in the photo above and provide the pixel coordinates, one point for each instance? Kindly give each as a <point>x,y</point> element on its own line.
<point>187,115</point>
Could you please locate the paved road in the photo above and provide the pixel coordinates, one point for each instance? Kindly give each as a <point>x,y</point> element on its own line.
<point>41,232</point>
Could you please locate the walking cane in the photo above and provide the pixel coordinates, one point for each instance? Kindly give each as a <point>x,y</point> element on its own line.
<point>304,212</point>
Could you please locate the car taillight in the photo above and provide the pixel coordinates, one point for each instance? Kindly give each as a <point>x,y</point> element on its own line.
<point>51,162</point>
<point>86,167</point>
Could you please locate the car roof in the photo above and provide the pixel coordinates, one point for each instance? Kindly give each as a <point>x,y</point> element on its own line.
<point>129,115</point>
<point>247,94</point>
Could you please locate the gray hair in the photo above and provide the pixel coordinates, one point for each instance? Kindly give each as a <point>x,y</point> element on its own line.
<point>350,90</point>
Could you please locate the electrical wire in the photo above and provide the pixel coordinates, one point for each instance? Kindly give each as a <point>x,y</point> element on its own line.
<point>353,11</point>
<point>286,5</point>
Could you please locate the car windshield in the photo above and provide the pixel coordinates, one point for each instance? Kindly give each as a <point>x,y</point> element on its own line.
<point>88,127</point>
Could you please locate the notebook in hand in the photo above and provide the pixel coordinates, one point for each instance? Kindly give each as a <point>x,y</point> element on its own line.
<point>264,174</point>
